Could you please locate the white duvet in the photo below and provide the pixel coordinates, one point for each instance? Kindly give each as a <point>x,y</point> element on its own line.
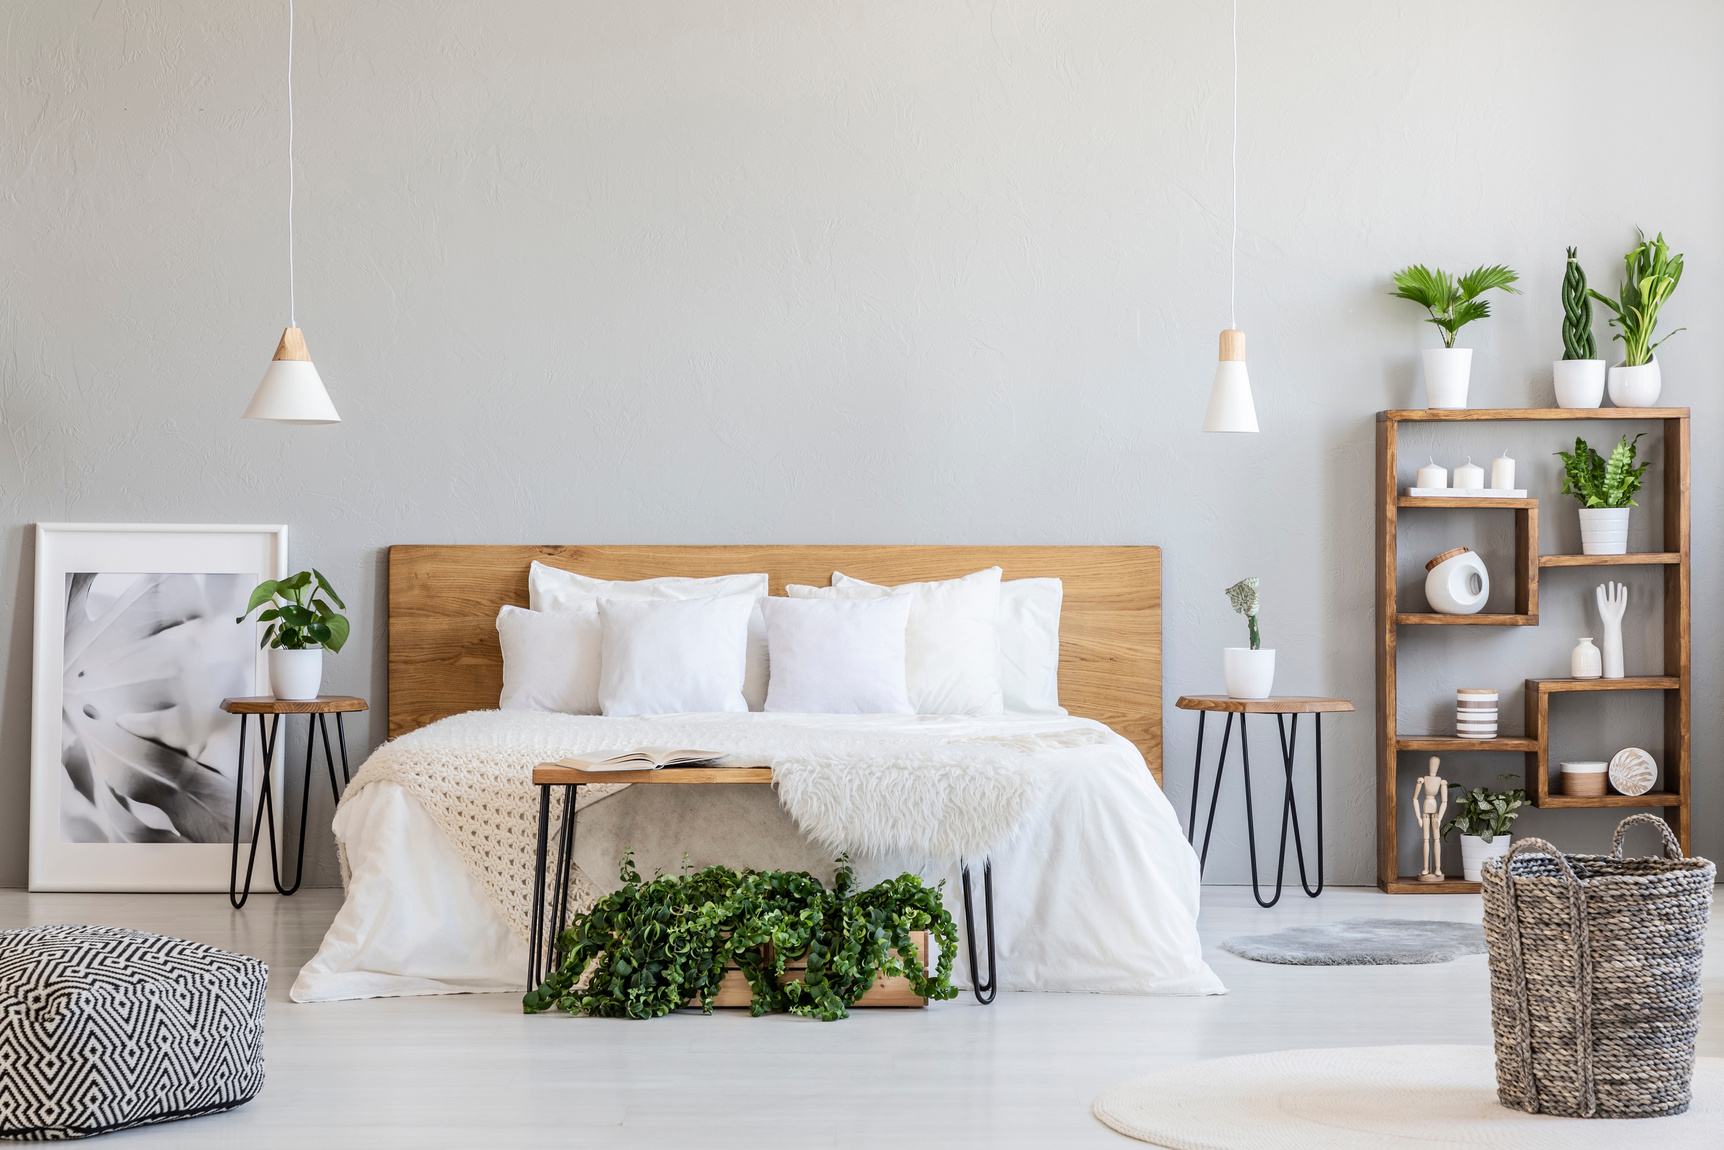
<point>1097,890</point>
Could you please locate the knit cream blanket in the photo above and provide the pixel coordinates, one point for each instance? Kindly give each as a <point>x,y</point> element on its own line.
<point>849,789</point>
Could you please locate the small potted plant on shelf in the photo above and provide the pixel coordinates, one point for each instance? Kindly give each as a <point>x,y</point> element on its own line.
<point>301,627</point>
<point>1579,374</point>
<point>1484,818</point>
<point>1606,490</point>
<point>1650,275</point>
<point>1249,672</point>
<point>1453,303</point>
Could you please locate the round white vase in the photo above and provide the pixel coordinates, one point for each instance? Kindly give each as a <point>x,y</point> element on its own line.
<point>1604,530</point>
<point>1447,372</point>
<point>1579,382</point>
<point>1636,386</point>
<point>1585,661</point>
<point>1456,582</point>
<point>1474,852</point>
<point>296,674</point>
<point>1248,674</point>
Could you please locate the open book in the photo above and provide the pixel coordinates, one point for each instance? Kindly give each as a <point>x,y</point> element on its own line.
<point>642,759</point>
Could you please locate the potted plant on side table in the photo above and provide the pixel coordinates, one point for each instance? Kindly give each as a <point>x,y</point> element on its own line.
<point>1453,303</point>
<point>1579,374</point>
<point>1606,491</point>
<point>301,627</point>
<point>1249,672</point>
<point>1484,818</point>
<point>1650,276</point>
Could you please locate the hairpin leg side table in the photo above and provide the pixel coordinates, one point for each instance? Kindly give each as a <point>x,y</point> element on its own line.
<point>1280,706</point>
<point>317,711</point>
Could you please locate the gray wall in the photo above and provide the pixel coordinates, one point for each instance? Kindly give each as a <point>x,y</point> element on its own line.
<point>849,272</point>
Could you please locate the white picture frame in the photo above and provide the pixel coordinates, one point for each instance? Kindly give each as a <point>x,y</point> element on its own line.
<point>126,789</point>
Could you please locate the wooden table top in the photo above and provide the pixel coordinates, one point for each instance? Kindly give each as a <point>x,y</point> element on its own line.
<point>1273,705</point>
<point>557,774</point>
<point>270,705</point>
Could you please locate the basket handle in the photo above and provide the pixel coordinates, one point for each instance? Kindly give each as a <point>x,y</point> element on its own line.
<point>1672,847</point>
<point>1583,976</point>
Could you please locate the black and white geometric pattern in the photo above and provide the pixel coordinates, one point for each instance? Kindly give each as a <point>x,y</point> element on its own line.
<point>102,1029</point>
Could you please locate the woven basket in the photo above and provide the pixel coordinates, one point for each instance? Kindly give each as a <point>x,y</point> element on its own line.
<point>1595,976</point>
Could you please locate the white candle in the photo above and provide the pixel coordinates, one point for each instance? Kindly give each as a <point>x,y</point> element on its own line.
<point>1502,473</point>
<point>1432,476</point>
<point>1469,476</point>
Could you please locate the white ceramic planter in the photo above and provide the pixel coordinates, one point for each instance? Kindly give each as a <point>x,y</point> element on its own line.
<point>1474,852</point>
<point>1604,530</point>
<point>1636,386</point>
<point>1457,583</point>
<point>1579,382</point>
<point>1248,674</point>
<point>1447,372</point>
<point>296,674</point>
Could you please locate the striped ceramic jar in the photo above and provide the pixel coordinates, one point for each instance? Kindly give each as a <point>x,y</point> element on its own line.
<point>1476,713</point>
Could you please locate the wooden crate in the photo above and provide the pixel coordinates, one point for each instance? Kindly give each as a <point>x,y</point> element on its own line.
<point>734,991</point>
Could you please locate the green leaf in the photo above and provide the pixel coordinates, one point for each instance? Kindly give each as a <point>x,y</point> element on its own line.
<point>337,626</point>
<point>327,589</point>
<point>260,595</point>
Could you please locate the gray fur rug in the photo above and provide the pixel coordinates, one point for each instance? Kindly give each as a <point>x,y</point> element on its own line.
<point>1362,942</point>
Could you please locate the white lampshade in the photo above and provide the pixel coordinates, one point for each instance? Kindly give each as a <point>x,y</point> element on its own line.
<point>1230,406</point>
<point>292,391</point>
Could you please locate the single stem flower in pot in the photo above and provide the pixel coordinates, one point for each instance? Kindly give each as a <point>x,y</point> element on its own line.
<point>1649,278</point>
<point>1606,490</point>
<point>301,627</point>
<point>1484,817</point>
<point>1579,374</point>
<point>1248,671</point>
<point>1453,303</point>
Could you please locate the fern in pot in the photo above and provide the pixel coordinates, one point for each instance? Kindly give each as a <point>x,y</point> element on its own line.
<point>1453,302</point>
<point>1484,817</point>
<point>302,626</point>
<point>1579,374</point>
<point>1249,672</point>
<point>1606,490</point>
<point>1649,278</point>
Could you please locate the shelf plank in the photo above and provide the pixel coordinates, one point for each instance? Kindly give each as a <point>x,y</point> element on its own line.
<point>1649,799</point>
<point>1461,501</point>
<point>1497,414</point>
<point>1444,743</point>
<point>1631,683</point>
<point>1435,620</point>
<point>1634,559</point>
<point>1410,884</point>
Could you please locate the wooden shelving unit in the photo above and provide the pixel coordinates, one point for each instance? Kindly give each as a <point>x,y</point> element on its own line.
<point>1675,683</point>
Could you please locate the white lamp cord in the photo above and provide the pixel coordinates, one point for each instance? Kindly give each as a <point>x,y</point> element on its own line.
<point>1233,258</point>
<point>292,319</point>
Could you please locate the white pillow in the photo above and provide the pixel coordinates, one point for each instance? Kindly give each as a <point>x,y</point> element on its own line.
<point>1029,631</point>
<point>672,656</point>
<point>553,589</point>
<point>951,649</point>
<point>838,657</point>
<point>550,661</point>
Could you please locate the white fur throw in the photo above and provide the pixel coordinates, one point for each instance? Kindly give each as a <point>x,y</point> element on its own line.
<point>866,792</point>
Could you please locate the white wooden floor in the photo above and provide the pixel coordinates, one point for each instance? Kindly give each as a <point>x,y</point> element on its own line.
<point>472,1071</point>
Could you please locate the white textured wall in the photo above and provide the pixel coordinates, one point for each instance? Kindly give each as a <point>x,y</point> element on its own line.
<point>788,272</point>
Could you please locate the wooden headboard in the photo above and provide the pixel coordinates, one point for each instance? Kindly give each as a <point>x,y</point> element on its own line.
<point>444,656</point>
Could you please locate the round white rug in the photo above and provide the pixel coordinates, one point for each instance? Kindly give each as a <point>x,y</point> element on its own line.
<point>1371,1097</point>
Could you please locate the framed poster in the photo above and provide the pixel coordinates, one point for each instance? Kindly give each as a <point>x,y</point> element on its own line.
<point>132,761</point>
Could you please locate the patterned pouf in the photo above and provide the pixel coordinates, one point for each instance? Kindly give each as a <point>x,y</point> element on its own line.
<point>102,1029</point>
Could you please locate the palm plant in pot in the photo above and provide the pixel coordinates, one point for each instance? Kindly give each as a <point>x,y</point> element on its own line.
<point>1484,817</point>
<point>1453,303</point>
<point>1579,374</point>
<point>1606,489</point>
<point>1249,672</point>
<point>1650,275</point>
<point>301,627</point>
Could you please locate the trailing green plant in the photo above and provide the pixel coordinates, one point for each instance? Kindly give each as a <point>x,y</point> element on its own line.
<point>1243,596</point>
<point>1577,341</point>
<point>298,618</point>
<point>1650,274</point>
<point>1486,813</point>
<point>1453,303</point>
<point>652,947</point>
<point>1600,482</point>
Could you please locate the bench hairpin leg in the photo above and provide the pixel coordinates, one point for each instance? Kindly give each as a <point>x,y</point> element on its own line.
<point>984,991</point>
<point>538,908</point>
<point>560,895</point>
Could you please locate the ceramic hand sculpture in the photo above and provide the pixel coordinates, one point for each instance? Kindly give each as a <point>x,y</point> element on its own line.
<point>1430,801</point>
<point>1612,602</point>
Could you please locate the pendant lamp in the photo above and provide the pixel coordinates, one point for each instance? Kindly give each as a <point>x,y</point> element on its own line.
<point>291,391</point>
<point>1230,406</point>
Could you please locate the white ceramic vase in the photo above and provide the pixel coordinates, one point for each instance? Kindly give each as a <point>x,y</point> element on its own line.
<point>1447,372</point>
<point>1474,852</point>
<point>1604,530</point>
<point>1579,382</point>
<point>296,674</point>
<point>1585,661</point>
<point>1636,386</point>
<point>1457,583</point>
<point>1248,674</point>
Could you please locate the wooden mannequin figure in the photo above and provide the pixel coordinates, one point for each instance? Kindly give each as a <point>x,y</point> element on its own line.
<point>1430,801</point>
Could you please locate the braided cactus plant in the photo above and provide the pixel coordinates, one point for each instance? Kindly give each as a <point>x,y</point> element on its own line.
<point>1577,341</point>
<point>1243,596</point>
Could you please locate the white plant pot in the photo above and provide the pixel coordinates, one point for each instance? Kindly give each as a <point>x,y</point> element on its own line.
<point>1249,674</point>
<point>1604,530</point>
<point>1447,372</point>
<point>1636,386</point>
<point>1474,852</point>
<point>1458,584</point>
<point>296,674</point>
<point>1579,382</point>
